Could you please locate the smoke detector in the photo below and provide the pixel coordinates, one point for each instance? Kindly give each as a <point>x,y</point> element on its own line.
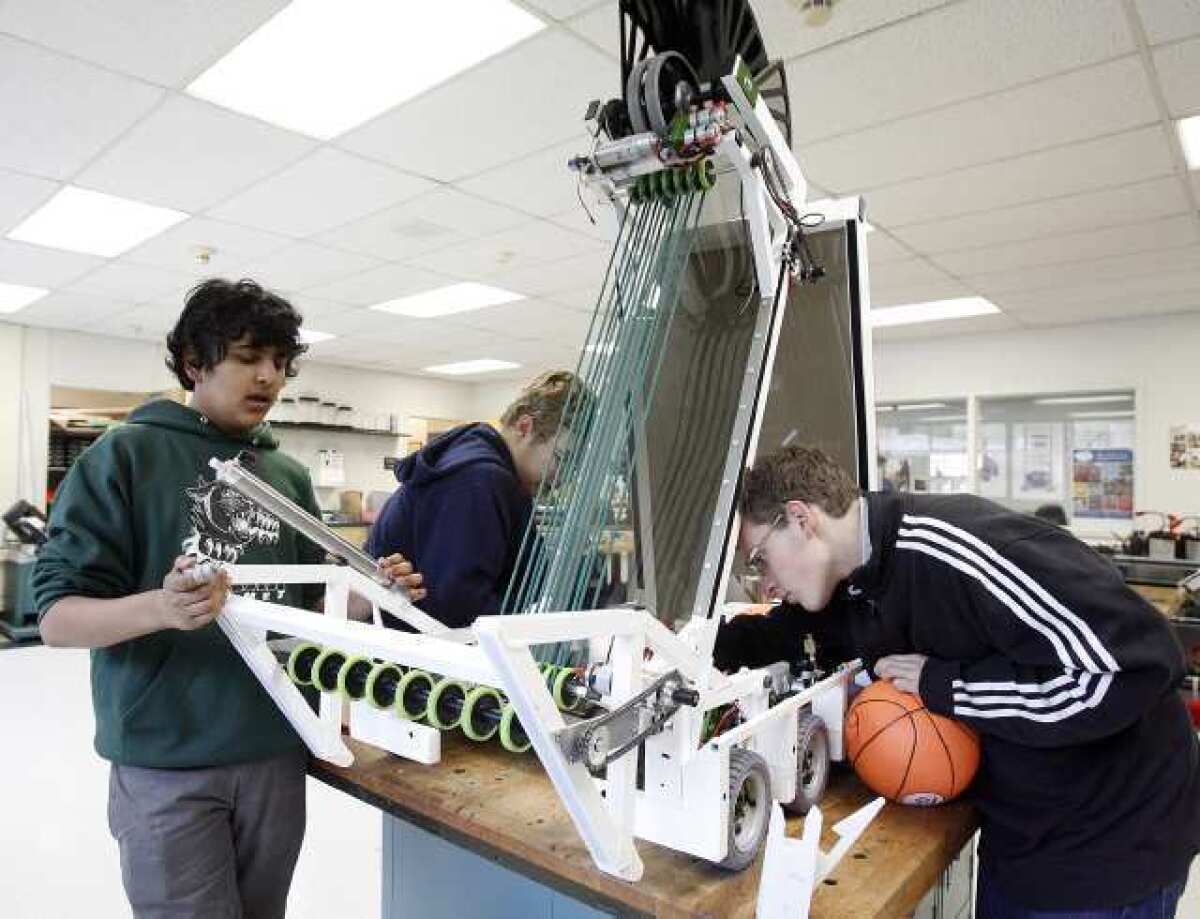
<point>816,12</point>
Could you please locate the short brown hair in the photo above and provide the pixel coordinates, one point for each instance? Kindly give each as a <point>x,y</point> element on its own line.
<point>553,399</point>
<point>795,474</point>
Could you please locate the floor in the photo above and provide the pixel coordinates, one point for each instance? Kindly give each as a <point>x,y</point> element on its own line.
<point>53,790</point>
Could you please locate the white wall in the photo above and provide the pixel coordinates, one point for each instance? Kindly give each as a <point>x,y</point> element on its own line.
<point>33,360</point>
<point>1156,357</point>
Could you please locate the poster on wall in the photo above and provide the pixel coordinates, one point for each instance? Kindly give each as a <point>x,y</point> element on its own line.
<point>993,460</point>
<point>1102,484</point>
<point>1185,446</point>
<point>1037,459</point>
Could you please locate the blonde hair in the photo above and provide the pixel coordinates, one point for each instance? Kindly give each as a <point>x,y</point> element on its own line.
<point>552,400</point>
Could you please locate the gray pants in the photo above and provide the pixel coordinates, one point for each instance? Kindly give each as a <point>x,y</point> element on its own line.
<point>217,843</point>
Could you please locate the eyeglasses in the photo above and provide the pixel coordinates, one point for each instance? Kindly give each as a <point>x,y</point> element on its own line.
<point>755,563</point>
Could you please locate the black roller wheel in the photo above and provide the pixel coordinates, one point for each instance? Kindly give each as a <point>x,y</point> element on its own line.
<point>749,808</point>
<point>710,34</point>
<point>812,764</point>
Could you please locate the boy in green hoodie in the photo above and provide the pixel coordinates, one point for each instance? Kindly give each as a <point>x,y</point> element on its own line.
<point>206,793</point>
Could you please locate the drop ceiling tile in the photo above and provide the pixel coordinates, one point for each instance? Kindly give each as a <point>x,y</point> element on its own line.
<point>1052,313</point>
<point>550,278</point>
<point>165,43</point>
<point>598,26</point>
<point>1078,106</point>
<point>147,322</point>
<point>378,285</point>
<point>530,319</point>
<point>907,273</point>
<point>435,220</point>
<point>316,311</point>
<point>1179,75</point>
<point>576,219</point>
<point>37,266</point>
<point>67,311</point>
<point>976,325</point>
<point>925,292</point>
<point>582,299</point>
<point>883,247</point>
<point>533,243</point>
<point>1169,261</point>
<point>561,9</point>
<point>787,32</point>
<point>20,195</point>
<point>1166,20</point>
<point>1116,242</point>
<point>467,125</point>
<point>1136,203</point>
<point>190,155</point>
<point>1133,289</point>
<point>59,112</point>
<point>323,190</point>
<point>1119,159</point>
<point>228,245</point>
<point>130,283</point>
<point>539,184</point>
<point>958,52</point>
<point>303,265</point>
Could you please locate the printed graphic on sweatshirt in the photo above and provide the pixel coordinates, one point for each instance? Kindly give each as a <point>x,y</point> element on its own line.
<point>224,525</point>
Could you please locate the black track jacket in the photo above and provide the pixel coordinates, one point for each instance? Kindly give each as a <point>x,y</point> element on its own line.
<point>1089,789</point>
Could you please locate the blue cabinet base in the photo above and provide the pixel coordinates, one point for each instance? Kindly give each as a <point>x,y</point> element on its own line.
<point>428,877</point>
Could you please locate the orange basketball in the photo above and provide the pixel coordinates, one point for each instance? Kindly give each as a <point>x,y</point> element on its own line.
<point>905,752</point>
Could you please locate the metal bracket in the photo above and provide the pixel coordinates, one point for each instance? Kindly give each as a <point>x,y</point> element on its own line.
<point>600,740</point>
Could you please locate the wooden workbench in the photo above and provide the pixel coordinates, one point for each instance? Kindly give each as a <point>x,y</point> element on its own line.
<point>504,807</point>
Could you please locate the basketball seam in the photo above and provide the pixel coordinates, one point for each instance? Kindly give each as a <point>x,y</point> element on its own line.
<point>870,740</point>
<point>949,755</point>
<point>912,753</point>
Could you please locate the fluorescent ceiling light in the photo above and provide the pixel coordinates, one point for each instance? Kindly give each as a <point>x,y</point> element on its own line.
<point>312,336</point>
<point>1080,400</point>
<point>868,227</point>
<point>934,311</point>
<point>322,68</point>
<point>15,297</point>
<point>1189,136</point>
<point>80,220</point>
<point>885,408</point>
<point>945,418</point>
<point>457,298</point>
<point>1112,414</point>
<point>920,406</point>
<point>485,365</point>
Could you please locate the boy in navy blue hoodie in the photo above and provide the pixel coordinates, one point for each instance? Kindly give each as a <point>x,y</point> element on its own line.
<point>464,501</point>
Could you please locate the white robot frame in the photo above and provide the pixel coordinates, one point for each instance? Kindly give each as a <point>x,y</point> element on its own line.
<point>684,801</point>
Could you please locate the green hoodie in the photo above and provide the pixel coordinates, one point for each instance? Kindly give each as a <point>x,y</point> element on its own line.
<point>140,496</point>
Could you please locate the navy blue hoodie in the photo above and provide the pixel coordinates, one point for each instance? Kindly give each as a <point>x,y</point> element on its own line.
<point>459,516</point>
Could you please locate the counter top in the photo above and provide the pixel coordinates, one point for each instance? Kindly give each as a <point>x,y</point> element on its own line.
<point>504,806</point>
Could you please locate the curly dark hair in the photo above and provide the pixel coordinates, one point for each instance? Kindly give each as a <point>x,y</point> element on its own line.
<point>218,312</point>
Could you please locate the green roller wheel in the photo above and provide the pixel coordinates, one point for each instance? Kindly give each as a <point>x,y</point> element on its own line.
<point>381,684</point>
<point>512,735</point>
<point>440,708</point>
<point>706,174</point>
<point>326,669</point>
<point>480,707</point>
<point>408,689</point>
<point>559,690</point>
<point>679,179</point>
<point>352,678</point>
<point>666,187</point>
<point>300,663</point>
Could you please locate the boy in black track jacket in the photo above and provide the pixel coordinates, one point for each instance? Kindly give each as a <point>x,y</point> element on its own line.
<point>1090,784</point>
